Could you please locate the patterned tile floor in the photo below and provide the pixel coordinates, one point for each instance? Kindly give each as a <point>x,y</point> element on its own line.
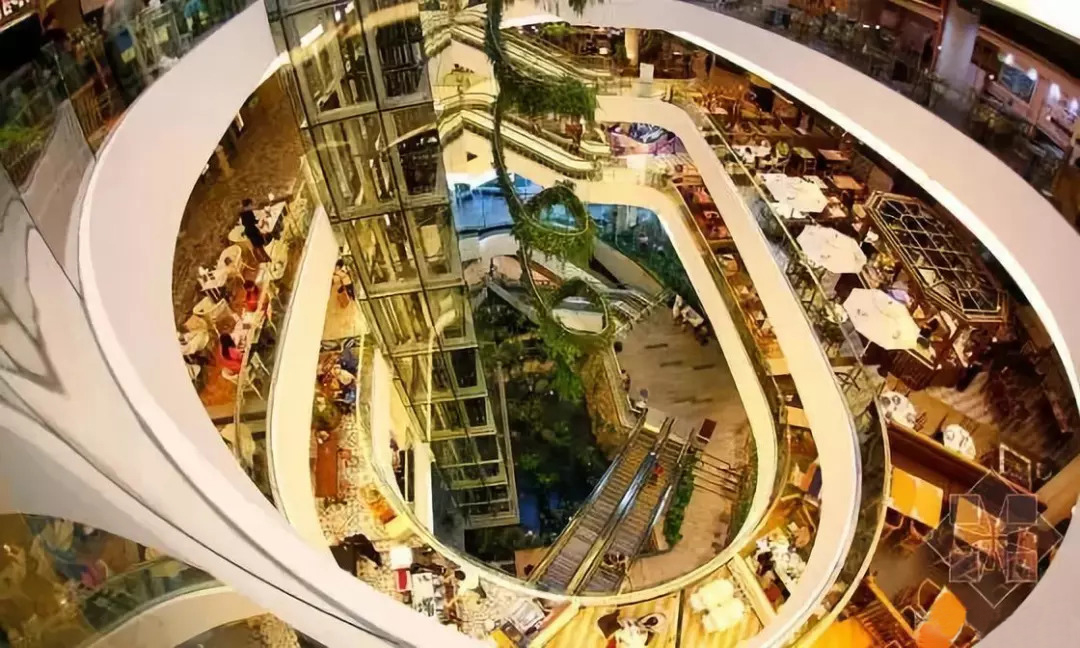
<point>265,160</point>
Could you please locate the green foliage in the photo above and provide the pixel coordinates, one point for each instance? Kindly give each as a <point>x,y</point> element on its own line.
<point>556,458</point>
<point>12,135</point>
<point>538,97</point>
<point>658,258</point>
<point>676,512</point>
<point>572,244</point>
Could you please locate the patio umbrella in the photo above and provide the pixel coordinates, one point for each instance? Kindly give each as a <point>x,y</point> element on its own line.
<point>881,319</point>
<point>836,252</point>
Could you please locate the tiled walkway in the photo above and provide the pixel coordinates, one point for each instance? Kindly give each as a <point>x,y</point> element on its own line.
<point>691,382</point>
<point>266,160</point>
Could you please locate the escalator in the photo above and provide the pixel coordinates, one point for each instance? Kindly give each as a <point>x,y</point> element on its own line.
<point>567,556</point>
<point>581,546</point>
<point>633,529</point>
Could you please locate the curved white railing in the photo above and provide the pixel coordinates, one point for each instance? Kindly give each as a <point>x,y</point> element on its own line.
<point>130,220</point>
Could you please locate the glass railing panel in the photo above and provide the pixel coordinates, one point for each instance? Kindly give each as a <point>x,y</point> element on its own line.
<point>266,310</point>
<point>100,71</point>
<point>67,584</point>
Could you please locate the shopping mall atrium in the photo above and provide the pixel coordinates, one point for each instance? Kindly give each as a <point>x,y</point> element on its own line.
<point>563,323</point>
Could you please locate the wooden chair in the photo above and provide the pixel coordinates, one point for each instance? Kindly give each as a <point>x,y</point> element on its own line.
<point>894,521</point>
<point>913,538</point>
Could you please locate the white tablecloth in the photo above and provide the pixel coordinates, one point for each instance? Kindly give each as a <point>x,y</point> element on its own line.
<point>796,196</point>
<point>897,407</point>
<point>959,440</point>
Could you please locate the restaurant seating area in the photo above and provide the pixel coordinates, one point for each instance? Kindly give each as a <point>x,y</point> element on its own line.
<point>915,296</point>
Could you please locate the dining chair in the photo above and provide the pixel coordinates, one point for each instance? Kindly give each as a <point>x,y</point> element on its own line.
<point>213,291</point>
<point>913,538</point>
<point>894,520</point>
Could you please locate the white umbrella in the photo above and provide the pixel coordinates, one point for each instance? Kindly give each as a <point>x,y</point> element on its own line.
<point>831,250</point>
<point>883,320</point>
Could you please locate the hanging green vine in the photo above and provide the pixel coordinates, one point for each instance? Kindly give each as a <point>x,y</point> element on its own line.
<point>536,96</point>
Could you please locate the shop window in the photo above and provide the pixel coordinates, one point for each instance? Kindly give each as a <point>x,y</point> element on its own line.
<point>1019,82</point>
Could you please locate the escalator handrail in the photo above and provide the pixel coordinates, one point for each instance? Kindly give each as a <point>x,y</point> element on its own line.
<point>590,501</point>
<point>593,558</point>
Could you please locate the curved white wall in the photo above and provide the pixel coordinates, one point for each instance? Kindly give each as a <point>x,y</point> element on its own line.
<point>288,424</point>
<point>174,463</point>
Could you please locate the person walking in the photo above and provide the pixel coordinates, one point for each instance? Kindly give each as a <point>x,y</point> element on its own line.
<point>251,230</point>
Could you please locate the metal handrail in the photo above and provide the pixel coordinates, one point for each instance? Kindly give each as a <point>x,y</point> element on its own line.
<point>607,535</point>
<point>583,510</point>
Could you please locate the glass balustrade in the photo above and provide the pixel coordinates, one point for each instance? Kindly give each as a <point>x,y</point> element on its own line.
<point>95,74</point>
<point>67,584</point>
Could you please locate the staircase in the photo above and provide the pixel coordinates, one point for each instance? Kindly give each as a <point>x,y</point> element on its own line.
<point>632,531</point>
<point>590,529</point>
<point>716,475</point>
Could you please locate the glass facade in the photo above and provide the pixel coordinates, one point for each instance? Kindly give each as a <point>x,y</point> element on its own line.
<point>358,81</point>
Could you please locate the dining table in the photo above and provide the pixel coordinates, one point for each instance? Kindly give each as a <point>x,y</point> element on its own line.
<point>846,182</point>
<point>796,196</point>
<point>916,498</point>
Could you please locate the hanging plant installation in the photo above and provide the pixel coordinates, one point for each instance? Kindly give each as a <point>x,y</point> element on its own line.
<point>535,96</point>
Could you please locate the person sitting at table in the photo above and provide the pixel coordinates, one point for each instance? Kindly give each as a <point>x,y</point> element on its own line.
<point>229,355</point>
<point>250,224</point>
<point>847,199</point>
<point>251,296</point>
